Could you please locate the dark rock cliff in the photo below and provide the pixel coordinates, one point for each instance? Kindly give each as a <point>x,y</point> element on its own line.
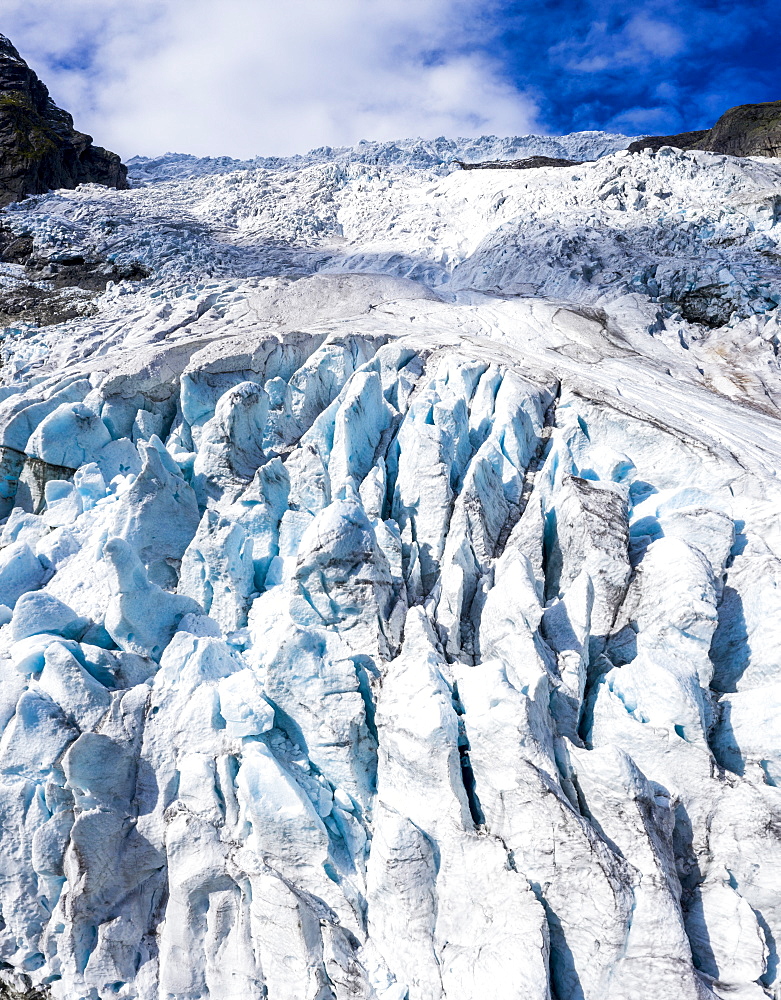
<point>529,163</point>
<point>39,147</point>
<point>748,130</point>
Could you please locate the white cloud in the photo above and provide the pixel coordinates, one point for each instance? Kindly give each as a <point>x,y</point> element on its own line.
<point>654,37</point>
<point>246,77</point>
<point>638,42</point>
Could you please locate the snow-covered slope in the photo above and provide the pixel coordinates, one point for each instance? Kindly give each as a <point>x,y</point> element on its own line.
<point>393,585</point>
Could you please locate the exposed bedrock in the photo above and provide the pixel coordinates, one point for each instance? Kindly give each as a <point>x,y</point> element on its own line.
<point>39,148</point>
<point>748,130</point>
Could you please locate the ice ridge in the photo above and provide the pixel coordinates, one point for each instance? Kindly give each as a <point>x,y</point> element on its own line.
<point>432,154</point>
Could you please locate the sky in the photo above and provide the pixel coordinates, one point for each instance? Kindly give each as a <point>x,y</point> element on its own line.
<point>274,77</point>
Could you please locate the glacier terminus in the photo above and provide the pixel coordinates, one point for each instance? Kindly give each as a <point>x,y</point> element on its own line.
<point>391,580</point>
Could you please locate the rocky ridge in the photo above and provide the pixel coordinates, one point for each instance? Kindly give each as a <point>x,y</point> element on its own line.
<point>527,163</point>
<point>747,130</point>
<point>39,148</point>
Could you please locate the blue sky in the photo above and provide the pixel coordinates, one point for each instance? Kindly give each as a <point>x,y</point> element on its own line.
<point>247,77</point>
<point>661,66</point>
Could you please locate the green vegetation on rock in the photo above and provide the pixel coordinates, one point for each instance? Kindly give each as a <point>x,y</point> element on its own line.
<point>34,137</point>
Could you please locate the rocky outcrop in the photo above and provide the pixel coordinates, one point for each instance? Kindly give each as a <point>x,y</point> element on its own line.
<point>55,285</point>
<point>527,163</point>
<point>684,140</point>
<point>748,130</point>
<point>39,148</point>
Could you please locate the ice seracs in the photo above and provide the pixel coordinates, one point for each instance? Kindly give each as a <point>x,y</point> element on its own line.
<point>406,630</point>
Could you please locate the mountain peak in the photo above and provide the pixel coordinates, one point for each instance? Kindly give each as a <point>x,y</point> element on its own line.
<point>39,147</point>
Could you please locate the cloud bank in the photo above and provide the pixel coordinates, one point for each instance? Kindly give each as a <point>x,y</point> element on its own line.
<point>248,77</point>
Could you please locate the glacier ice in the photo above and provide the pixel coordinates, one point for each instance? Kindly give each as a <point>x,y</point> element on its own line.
<point>390,584</point>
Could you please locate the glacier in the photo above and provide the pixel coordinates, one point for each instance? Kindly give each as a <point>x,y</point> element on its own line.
<point>390,582</point>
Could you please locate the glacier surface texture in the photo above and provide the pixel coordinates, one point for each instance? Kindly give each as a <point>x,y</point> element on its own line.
<point>391,582</point>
